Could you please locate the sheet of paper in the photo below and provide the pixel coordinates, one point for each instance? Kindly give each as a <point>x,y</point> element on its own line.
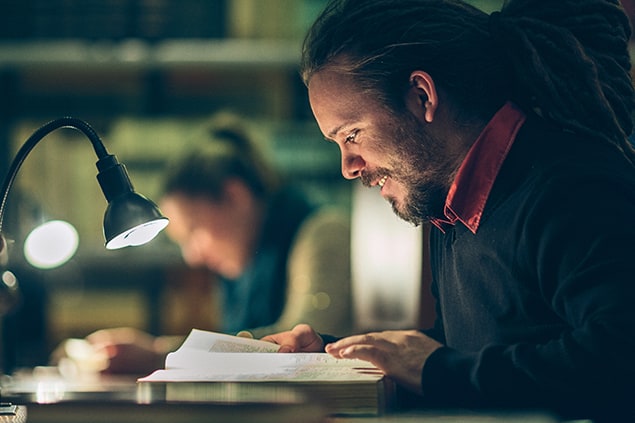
<point>218,342</point>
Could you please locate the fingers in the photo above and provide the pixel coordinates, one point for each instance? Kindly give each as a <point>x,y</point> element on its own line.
<point>284,339</point>
<point>344,345</point>
<point>100,337</point>
<point>289,341</point>
<point>286,349</point>
<point>363,347</point>
<point>276,338</point>
<point>245,334</point>
<point>306,339</point>
<point>302,338</point>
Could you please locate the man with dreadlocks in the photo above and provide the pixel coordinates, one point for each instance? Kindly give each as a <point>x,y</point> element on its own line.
<point>508,132</point>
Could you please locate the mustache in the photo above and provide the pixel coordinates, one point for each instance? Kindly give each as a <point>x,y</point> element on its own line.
<point>367,177</point>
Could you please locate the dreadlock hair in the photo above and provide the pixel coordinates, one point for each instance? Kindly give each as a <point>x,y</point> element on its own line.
<point>567,60</point>
<point>224,150</point>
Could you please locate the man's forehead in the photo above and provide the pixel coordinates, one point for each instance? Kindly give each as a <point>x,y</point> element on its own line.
<point>330,77</point>
<point>334,91</point>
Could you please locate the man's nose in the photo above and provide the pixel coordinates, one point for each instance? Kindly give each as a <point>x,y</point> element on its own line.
<point>352,166</point>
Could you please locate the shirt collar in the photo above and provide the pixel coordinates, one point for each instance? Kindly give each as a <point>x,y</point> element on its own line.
<point>471,187</point>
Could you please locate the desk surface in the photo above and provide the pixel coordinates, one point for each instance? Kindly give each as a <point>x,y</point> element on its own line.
<point>110,400</point>
<point>26,414</point>
<point>443,417</point>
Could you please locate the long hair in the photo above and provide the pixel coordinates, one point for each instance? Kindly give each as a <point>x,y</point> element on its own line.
<point>225,149</point>
<point>567,60</point>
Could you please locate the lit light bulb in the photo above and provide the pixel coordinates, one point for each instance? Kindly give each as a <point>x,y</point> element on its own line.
<point>50,245</point>
<point>138,235</point>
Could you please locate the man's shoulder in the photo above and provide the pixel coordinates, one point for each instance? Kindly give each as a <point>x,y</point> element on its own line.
<point>548,156</point>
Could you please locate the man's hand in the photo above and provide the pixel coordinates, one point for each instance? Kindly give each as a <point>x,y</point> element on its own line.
<point>399,354</point>
<point>302,338</point>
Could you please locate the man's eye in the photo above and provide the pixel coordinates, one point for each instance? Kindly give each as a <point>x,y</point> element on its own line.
<point>350,138</point>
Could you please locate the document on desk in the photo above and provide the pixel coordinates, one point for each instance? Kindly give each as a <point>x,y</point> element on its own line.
<point>207,364</point>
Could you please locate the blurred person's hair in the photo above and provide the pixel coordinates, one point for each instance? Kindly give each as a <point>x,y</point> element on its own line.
<point>225,149</point>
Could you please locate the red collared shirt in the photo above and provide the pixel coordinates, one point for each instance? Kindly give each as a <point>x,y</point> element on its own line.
<point>471,187</point>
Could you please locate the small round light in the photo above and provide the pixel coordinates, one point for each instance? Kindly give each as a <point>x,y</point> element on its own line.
<point>9,279</point>
<point>51,244</point>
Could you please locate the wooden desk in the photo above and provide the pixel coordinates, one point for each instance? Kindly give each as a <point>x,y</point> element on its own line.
<point>446,416</point>
<point>87,413</point>
<point>118,401</point>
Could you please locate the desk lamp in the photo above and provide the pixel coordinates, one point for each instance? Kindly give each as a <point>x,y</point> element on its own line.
<point>130,219</point>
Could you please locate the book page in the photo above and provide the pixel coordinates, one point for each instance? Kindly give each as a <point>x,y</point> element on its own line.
<point>199,344</point>
<point>255,362</point>
<point>219,342</point>
<point>235,367</point>
<point>280,375</point>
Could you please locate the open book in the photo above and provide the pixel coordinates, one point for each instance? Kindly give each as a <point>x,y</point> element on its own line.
<point>209,366</point>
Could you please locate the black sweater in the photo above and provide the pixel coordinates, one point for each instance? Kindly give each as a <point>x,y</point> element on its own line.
<point>537,309</point>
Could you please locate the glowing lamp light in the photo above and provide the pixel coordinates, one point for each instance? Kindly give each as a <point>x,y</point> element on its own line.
<point>138,235</point>
<point>51,244</point>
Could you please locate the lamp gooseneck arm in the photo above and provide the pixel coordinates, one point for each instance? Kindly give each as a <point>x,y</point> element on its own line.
<point>130,219</point>
<point>65,122</point>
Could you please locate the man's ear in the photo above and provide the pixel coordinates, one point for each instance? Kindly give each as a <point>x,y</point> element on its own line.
<point>422,97</point>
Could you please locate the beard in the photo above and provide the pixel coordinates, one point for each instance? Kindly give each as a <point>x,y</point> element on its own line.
<point>421,163</point>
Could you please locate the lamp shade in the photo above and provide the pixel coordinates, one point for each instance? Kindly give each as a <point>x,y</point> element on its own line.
<point>131,219</point>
